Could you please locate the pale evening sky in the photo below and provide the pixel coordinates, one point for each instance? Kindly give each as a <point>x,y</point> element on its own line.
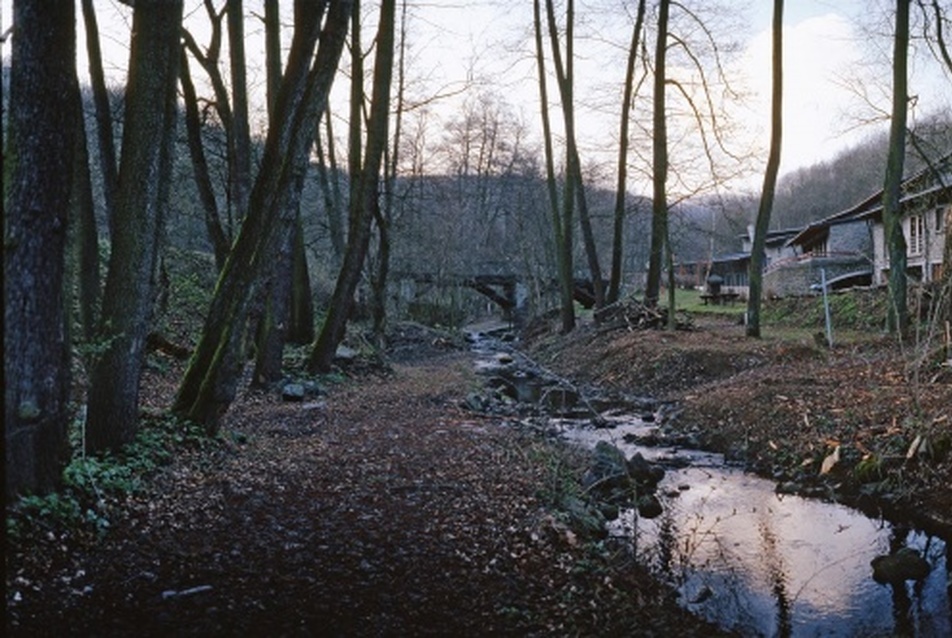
<point>452,40</point>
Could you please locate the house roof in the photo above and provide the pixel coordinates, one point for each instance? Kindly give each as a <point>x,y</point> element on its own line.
<point>872,205</point>
<point>730,257</point>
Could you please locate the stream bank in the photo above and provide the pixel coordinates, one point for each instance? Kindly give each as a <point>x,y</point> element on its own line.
<point>742,551</point>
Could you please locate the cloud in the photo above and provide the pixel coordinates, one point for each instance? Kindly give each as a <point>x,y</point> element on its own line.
<point>819,53</point>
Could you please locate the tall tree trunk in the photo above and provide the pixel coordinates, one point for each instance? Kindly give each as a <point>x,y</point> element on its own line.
<point>97,79</point>
<point>84,232</point>
<point>274,325</point>
<point>301,324</point>
<point>272,49</point>
<point>240,160</point>
<point>575,187</point>
<point>618,235</point>
<point>211,379</point>
<point>362,206</point>
<point>898,318</point>
<point>330,190</point>
<point>144,176</point>
<point>384,218</point>
<point>42,123</point>
<point>757,257</point>
<point>284,305</point>
<point>378,281</point>
<point>659,204</point>
<point>563,246</point>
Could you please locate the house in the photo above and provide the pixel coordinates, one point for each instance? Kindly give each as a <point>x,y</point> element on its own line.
<point>926,206</point>
<point>734,268</point>
<point>848,247</point>
<point>837,248</point>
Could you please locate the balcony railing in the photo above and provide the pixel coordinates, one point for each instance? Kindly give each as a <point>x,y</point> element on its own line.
<point>807,257</point>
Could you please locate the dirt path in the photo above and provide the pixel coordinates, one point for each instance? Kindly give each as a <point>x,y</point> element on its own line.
<point>382,509</point>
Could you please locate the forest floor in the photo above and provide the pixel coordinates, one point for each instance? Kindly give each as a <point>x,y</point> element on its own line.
<point>381,508</point>
<point>384,508</point>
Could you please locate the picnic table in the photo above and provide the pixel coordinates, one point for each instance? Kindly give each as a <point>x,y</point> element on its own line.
<point>719,298</point>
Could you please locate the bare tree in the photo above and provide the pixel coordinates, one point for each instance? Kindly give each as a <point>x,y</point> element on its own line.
<point>42,124</point>
<point>329,183</point>
<point>385,214</point>
<point>614,285</point>
<point>659,209</point>
<point>574,185</point>
<point>364,196</point>
<point>757,256</point>
<point>561,227</point>
<point>203,180</point>
<point>898,318</point>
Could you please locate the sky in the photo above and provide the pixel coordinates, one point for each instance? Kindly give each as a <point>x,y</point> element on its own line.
<point>454,41</point>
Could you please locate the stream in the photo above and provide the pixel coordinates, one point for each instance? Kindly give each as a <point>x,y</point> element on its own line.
<point>738,553</point>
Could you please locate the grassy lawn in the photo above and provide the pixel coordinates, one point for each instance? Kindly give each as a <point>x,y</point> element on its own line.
<point>690,301</point>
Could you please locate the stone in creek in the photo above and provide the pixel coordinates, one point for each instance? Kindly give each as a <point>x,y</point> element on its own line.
<point>649,506</point>
<point>906,564</point>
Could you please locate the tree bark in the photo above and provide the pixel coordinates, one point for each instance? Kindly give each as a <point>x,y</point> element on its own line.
<point>618,235</point>
<point>362,206</point>
<point>898,317</point>
<point>42,123</point>
<point>757,257</point>
<point>301,326</point>
<point>240,146</point>
<point>84,232</point>
<point>659,204</point>
<point>272,49</point>
<point>284,306</point>
<point>144,176</point>
<point>211,379</point>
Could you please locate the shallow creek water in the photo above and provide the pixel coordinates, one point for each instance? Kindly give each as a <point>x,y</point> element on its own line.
<point>766,564</point>
<point>760,563</point>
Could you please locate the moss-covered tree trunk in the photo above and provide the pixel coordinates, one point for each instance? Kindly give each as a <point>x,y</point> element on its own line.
<point>144,175</point>
<point>361,206</point>
<point>898,317</point>
<point>211,379</point>
<point>757,257</point>
<point>42,122</point>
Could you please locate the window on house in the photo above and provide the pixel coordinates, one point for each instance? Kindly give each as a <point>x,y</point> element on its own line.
<point>939,216</point>
<point>916,234</point>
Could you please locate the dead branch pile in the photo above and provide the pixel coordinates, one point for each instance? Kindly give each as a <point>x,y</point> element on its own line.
<point>631,314</point>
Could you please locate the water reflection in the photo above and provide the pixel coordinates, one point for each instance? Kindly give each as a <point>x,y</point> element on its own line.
<point>769,565</point>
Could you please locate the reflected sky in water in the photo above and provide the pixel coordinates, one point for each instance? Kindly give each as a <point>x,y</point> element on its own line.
<point>770,565</point>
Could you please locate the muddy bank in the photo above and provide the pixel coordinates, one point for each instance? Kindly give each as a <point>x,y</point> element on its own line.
<point>856,423</point>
